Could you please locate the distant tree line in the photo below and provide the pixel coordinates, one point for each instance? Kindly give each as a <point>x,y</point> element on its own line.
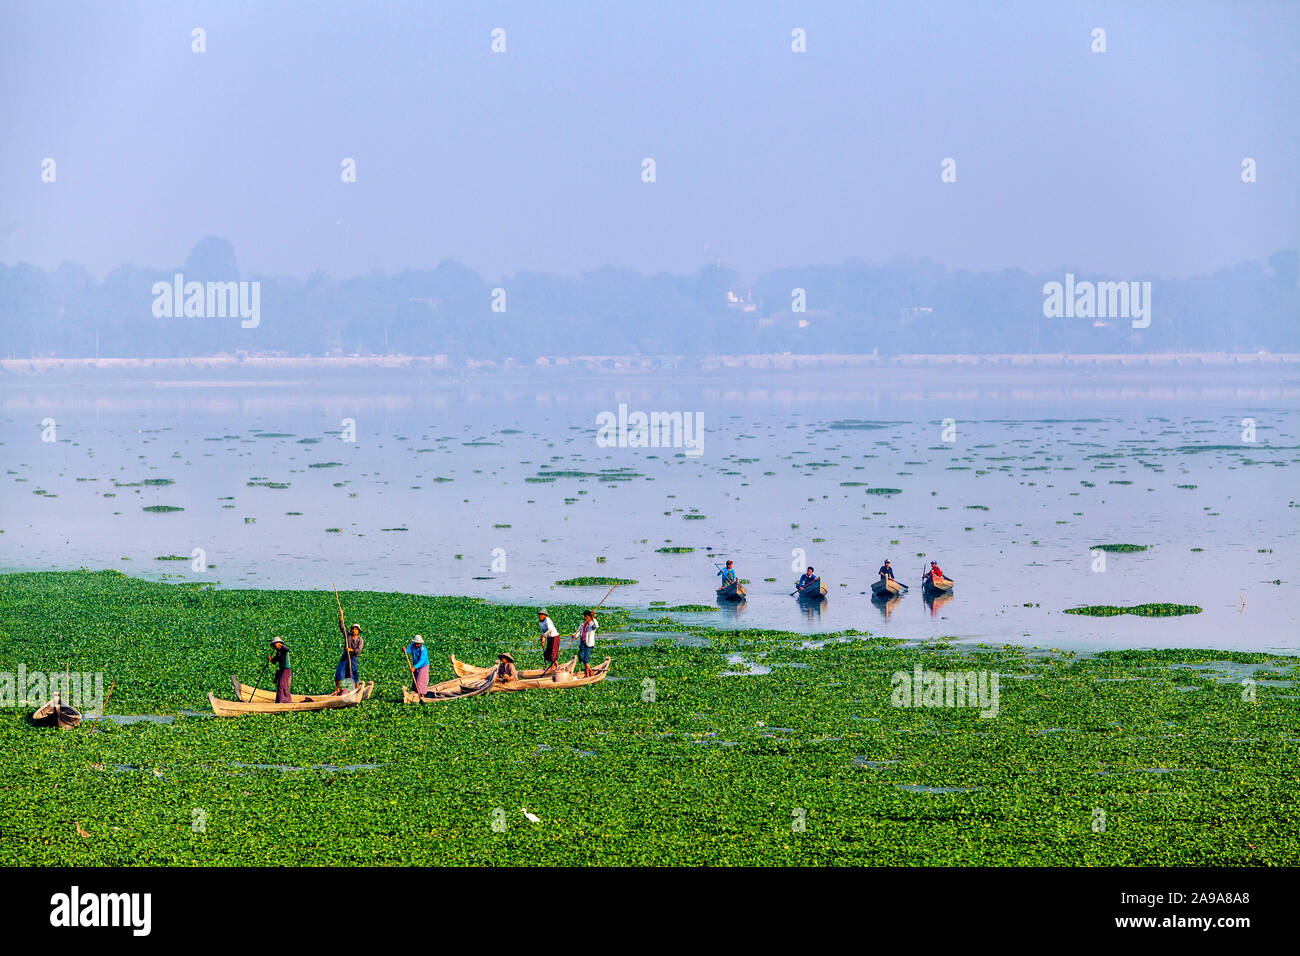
<point>905,307</point>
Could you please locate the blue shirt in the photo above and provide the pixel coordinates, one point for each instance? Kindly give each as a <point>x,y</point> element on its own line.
<point>728,575</point>
<point>419,656</point>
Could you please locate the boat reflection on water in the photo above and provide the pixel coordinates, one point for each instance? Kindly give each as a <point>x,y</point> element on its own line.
<point>886,606</point>
<point>730,606</point>
<point>812,608</point>
<point>935,601</point>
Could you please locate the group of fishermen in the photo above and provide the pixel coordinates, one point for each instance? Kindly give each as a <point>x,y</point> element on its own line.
<point>418,655</point>
<point>349,667</point>
<point>506,670</point>
<point>810,577</point>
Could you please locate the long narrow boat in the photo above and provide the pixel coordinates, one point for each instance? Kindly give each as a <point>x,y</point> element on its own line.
<point>268,696</point>
<point>813,592</point>
<point>234,708</point>
<point>933,585</point>
<point>885,588</point>
<point>469,670</point>
<point>552,681</point>
<point>56,714</point>
<point>735,591</point>
<point>453,689</point>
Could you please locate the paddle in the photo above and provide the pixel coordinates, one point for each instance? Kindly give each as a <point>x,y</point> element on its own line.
<point>410,667</point>
<point>253,690</point>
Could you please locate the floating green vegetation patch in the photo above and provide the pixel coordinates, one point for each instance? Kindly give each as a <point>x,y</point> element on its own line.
<point>1120,548</point>
<point>858,425</point>
<point>171,557</point>
<point>821,729</point>
<point>326,464</point>
<point>268,484</point>
<point>674,550</point>
<point>1141,610</point>
<point>884,491</point>
<point>695,608</point>
<point>162,509</point>
<point>585,582</point>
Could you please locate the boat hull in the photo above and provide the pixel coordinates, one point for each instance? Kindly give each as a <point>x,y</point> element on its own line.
<point>813,592</point>
<point>732,592</point>
<point>469,670</point>
<point>242,691</point>
<point>58,715</point>
<point>936,585</point>
<point>237,708</point>
<point>885,588</point>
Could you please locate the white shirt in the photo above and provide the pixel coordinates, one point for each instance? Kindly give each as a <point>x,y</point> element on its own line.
<point>587,633</point>
<point>547,627</point>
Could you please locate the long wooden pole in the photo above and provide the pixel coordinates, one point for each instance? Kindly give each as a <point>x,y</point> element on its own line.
<point>104,705</point>
<point>575,633</point>
<point>345,634</point>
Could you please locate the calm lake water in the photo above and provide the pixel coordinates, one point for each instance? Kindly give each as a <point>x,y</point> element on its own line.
<point>441,475</point>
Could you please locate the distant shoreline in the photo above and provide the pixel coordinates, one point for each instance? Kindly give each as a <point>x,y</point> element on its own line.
<point>639,364</point>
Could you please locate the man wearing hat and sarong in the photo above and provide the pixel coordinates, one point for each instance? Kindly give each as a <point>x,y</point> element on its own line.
<point>419,664</point>
<point>348,666</point>
<point>283,675</point>
<point>550,638</point>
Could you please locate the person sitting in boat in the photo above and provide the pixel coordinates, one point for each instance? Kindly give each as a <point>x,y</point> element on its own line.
<point>348,667</point>
<point>283,673</point>
<point>506,668</point>
<point>934,571</point>
<point>586,636</point>
<point>550,638</point>
<point>807,579</point>
<point>886,571</point>
<point>419,664</point>
<point>728,575</point>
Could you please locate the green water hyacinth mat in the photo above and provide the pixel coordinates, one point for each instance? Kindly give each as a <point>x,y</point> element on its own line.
<point>1123,758</point>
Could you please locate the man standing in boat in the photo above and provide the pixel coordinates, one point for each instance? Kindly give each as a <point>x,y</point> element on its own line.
<point>886,571</point>
<point>587,640</point>
<point>348,668</point>
<point>807,579</point>
<point>728,575</point>
<point>419,664</point>
<point>550,639</point>
<point>283,674</point>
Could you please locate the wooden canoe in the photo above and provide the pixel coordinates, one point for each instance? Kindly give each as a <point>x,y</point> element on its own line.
<point>56,714</point>
<point>935,585</point>
<point>268,696</point>
<point>885,588</point>
<point>553,681</point>
<point>234,708</point>
<point>469,670</point>
<point>453,689</point>
<point>734,591</point>
<point>813,592</point>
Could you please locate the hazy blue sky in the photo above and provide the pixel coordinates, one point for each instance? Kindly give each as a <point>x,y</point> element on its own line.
<point>1126,161</point>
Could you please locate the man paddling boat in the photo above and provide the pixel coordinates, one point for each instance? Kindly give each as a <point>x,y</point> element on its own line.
<point>283,673</point>
<point>934,572</point>
<point>419,664</point>
<point>348,667</point>
<point>586,636</point>
<point>728,575</point>
<point>550,638</point>
<point>886,571</point>
<point>808,578</point>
